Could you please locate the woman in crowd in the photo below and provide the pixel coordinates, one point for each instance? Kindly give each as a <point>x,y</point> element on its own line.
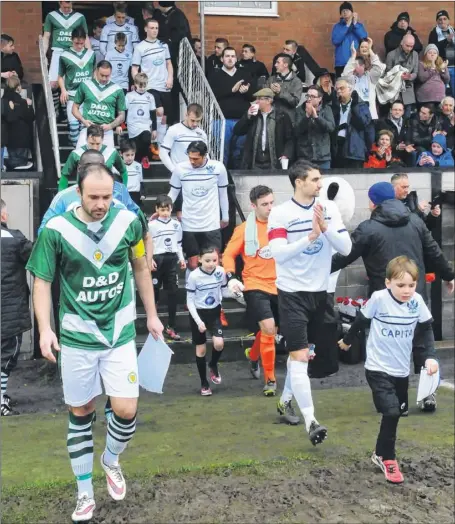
<point>433,76</point>
<point>381,154</point>
<point>326,81</point>
<point>446,121</point>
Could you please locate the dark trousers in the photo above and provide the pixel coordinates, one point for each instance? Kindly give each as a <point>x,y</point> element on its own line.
<point>17,157</point>
<point>136,197</point>
<point>339,71</point>
<point>142,142</point>
<point>166,276</point>
<point>11,347</point>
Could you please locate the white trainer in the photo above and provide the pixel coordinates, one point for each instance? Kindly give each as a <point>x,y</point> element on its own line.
<point>84,509</point>
<point>116,485</point>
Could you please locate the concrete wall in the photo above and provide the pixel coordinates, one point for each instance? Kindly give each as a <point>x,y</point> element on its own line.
<point>352,281</point>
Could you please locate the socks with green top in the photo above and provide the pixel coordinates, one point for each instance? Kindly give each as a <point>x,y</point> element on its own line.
<point>80,449</point>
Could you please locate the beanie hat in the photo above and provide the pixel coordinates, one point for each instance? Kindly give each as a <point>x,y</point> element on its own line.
<point>430,47</point>
<point>404,16</point>
<point>440,140</point>
<point>346,5</point>
<point>381,191</point>
<point>442,12</point>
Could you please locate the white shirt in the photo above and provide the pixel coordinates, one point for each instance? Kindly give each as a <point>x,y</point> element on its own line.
<point>96,49</point>
<point>362,86</point>
<point>264,130</point>
<point>344,118</point>
<point>206,287</point>
<point>128,20</point>
<point>107,38</point>
<point>204,192</point>
<point>120,63</point>
<point>301,265</point>
<point>176,142</point>
<point>393,323</point>
<point>152,57</point>
<point>138,118</point>
<point>167,236</point>
<point>135,176</point>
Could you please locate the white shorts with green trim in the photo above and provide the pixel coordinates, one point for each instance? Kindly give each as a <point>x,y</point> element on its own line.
<point>55,63</point>
<point>83,370</point>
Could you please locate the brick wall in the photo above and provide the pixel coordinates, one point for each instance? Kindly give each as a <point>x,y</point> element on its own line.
<point>22,21</point>
<point>310,23</point>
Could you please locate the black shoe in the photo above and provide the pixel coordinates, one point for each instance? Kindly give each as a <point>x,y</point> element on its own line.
<point>6,411</point>
<point>317,433</point>
<point>7,400</point>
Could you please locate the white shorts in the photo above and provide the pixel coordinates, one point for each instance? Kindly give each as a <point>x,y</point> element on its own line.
<point>82,371</point>
<point>108,138</point>
<point>69,112</point>
<point>55,62</point>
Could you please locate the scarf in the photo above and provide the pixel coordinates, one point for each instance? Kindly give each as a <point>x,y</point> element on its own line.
<point>441,34</point>
<point>251,236</point>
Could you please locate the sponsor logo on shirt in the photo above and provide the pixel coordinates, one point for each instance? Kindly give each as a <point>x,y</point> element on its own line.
<point>314,247</point>
<point>92,285</point>
<point>413,306</point>
<point>265,252</point>
<point>199,191</point>
<point>397,333</point>
<point>158,61</point>
<point>210,300</point>
<point>140,112</point>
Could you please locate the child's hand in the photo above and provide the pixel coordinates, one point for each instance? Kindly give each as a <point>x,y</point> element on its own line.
<point>182,264</point>
<point>154,135</point>
<point>431,365</point>
<point>154,266</point>
<point>343,346</point>
<point>202,327</point>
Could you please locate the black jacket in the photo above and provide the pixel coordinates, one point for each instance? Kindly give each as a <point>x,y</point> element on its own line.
<point>313,134</point>
<point>17,121</point>
<point>255,68</point>
<point>281,143</point>
<point>12,62</point>
<point>393,38</point>
<point>412,203</point>
<point>212,62</point>
<point>387,124</point>
<point>392,231</point>
<point>421,133</point>
<point>174,27</point>
<point>15,294</point>
<point>233,105</point>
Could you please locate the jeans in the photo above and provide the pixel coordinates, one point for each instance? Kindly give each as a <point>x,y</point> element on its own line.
<point>323,165</point>
<point>410,108</point>
<point>228,134</point>
<point>452,79</point>
<point>17,157</point>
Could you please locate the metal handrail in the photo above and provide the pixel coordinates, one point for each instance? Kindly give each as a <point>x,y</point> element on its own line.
<point>197,90</point>
<point>49,105</point>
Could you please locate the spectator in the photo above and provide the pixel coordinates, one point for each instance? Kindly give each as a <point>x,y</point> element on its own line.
<point>399,126</point>
<point>15,295</point>
<point>363,72</point>
<point>154,59</point>
<point>315,124</point>
<point>214,61</point>
<point>120,60</point>
<point>197,48</point>
<point>174,28</point>
<point>433,77</point>
<point>406,57</point>
<point>443,36</point>
<point>107,39</point>
<point>11,63</point>
<point>326,81</point>
<point>393,231</point>
<point>438,156</point>
<point>120,5</point>
<point>18,115</point>
<point>257,69</point>
<point>446,121</point>
<point>97,29</point>
<point>269,139</point>
<point>421,129</point>
<point>347,31</point>
<point>381,154</point>
<point>429,214</point>
<point>292,48</point>
<point>286,85</point>
<point>398,29</point>
<point>232,89</point>
<point>355,131</point>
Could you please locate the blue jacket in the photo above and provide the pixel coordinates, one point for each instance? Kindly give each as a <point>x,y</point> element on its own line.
<point>444,160</point>
<point>69,198</point>
<point>342,37</point>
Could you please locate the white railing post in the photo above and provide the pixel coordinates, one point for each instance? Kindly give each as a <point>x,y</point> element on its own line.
<point>49,105</point>
<point>197,90</point>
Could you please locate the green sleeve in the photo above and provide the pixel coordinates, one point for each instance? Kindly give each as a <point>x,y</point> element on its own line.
<point>47,24</point>
<point>119,164</point>
<point>43,260</point>
<point>143,220</point>
<point>94,61</point>
<point>67,170</point>
<point>121,103</point>
<point>61,67</point>
<point>79,97</point>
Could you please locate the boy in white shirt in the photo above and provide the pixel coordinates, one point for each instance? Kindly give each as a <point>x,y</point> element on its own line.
<point>394,313</point>
<point>134,169</point>
<point>120,60</point>
<point>98,26</point>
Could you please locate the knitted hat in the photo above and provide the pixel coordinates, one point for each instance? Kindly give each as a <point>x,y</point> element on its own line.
<point>346,5</point>
<point>381,191</point>
<point>442,12</point>
<point>441,140</point>
<point>404,16</point>
<point>430,47</point>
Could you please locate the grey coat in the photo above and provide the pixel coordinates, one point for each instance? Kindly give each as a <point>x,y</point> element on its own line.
<point>313,134</point>
<point>289,97</point>
<point>411,63</point>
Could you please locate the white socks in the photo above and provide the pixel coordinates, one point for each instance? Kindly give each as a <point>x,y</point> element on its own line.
<point>301,388</point>
<point>286,396</point>
<point>160,129</point>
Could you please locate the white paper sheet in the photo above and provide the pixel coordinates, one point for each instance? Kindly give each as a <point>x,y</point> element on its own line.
<point>428,384</point>
<point>153,364</point>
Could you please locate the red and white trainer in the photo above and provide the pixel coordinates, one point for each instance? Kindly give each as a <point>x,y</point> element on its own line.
<point>215,376</point>
<point>116,485</point>
<point>390,469</point>
<point>84,509</point>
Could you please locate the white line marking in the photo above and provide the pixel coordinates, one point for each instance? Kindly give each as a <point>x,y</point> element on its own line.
<point>448,385</point>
